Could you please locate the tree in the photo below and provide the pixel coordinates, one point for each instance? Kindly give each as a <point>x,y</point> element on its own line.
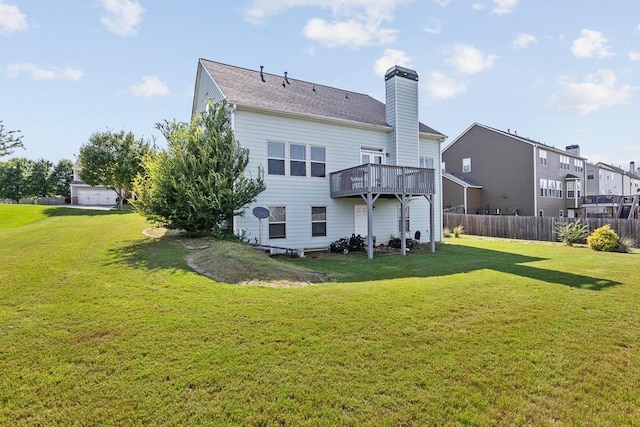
<point>61,178</point>
<point>198,184</point>
<point>9,140</point>
<point>14,178</point>
<point>40,178</point>
<point>113,160</point>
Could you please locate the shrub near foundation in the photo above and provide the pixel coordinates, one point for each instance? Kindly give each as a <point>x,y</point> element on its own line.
<point>603,239</point>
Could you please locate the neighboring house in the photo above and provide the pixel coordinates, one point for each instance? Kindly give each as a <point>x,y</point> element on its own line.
<point>85,194</point>
<point>631,181</point>
<point>603,179</point>
<point>335,162</point>
<point>461,193</point>
<point>512,174</point>
<point>610,189</point>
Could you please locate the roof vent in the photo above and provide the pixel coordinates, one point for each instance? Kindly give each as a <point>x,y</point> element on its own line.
<point>261,73</point>
<point>286,79</point>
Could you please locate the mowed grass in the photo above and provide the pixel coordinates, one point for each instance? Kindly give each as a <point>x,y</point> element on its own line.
<point>100,325</point>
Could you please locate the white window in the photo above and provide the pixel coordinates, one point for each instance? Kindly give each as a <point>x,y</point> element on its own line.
<point>277,222</point>
<point>466,165</point>
<point>573,189</point>
<point>564,163</point>
<point>407,225</point>
<point>318,221</point>
<point>297,160</point>
<point>542,155</point>
<point>426,162</point>
<point>318,162</point>
<point>579,166</point>
<point>543,187</point>
<point>275,158</point>
<point>371,155</point>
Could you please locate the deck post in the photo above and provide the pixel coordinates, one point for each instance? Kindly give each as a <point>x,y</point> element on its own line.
<point>431,223</point>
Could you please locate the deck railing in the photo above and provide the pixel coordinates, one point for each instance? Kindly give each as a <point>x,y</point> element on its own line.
<point>606,199</point>
<point>382,179</point>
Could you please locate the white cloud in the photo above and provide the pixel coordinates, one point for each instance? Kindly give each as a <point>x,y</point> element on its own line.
<point>348,33</point>
<point>391,57</point>
<point>591,44</point>
<point>441,86</point>
<point>151,86</point>
<point>504,6</point>
<point>122,16</point>
<point>597,91</point>
<point>354,22</point>
<point>467,59</point>
<point>434,26</point>
<point>442,3</point>
<point>11,19</point>
<point>634,56</point>
<point>38,73</point>
<point>478,6</point>
<point>522,41</point>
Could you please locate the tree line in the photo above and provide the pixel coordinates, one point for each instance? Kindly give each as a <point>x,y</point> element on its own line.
<point>23,178</point>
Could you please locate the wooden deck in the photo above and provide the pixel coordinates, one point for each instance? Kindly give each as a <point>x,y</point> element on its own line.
<point>382,180</point>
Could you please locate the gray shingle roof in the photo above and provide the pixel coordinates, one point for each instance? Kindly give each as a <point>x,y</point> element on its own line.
<point>245,87</point>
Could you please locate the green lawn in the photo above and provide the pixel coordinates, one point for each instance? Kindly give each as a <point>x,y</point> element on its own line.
<point>100,325</point>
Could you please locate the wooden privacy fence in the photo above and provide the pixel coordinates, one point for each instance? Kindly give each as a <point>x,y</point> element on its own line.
<point>532,227</point>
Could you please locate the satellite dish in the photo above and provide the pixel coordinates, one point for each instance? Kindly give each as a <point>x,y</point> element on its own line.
<point>260,212</point>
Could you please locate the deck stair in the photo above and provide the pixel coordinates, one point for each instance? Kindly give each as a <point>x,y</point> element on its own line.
<point>627,207</point>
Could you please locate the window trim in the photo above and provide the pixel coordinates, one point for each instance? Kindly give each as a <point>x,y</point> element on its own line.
<point>319,221</point>
<point>278,222</point>
<point>297,161</point>
<point>424,160</point>
<point>279,159</point>
<point>542,157</point>
<point>466,165</point>
<point>318,162</point>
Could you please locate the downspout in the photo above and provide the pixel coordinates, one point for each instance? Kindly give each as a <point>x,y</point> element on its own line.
<point>535,181</point>
<point>233,129</point>
<point>464,199</point>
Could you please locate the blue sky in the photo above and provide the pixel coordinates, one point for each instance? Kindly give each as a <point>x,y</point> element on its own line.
<point>561,72</point>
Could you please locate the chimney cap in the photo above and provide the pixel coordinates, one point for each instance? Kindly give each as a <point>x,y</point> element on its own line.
<point>399,71</point>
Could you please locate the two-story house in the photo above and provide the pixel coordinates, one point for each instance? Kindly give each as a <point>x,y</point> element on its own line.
<point>511,175</point>
<point>335,162</point>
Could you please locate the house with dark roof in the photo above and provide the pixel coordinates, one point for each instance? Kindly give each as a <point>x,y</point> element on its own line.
<point>513,175</point>
<point>336,162</point>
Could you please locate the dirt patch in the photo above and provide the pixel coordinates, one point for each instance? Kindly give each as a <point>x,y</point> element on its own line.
<point>237,263</point>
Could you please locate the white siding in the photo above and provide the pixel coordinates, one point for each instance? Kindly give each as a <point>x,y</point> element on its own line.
<point>205,89</point>
<point>402,114</point>
<point>298,194</point>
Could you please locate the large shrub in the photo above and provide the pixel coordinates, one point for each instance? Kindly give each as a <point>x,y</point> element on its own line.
<point>571,232</point>
<point>603,239</point>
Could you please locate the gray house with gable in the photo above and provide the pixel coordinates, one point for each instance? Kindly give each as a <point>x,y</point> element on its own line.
<point>512,174</point>
<point>335,162</point>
